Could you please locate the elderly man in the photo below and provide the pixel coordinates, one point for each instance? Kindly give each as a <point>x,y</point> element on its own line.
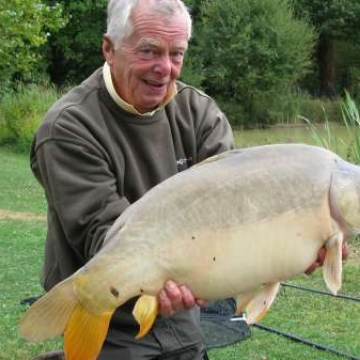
<point>126,128</point>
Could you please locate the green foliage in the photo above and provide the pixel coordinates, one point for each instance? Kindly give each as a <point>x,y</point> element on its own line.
<point>318,109</point>
<point>24,28</point>
<point>338,18</point>
<point>194,7</point>
<point>333,20</point>
<point>347,144</point>
<point>351,119</point>
<point>21,111</point>
<point>75,51</point>
<point>348,62</point>
<point>252,51</point>
<point>193,71</point>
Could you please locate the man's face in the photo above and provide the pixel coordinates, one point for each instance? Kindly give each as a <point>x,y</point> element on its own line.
<point>149,61</point>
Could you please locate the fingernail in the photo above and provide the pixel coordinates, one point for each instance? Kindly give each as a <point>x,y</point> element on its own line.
<point>170,285</point>
<point>162,294</point>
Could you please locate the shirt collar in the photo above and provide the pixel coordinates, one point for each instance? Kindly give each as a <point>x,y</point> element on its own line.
<point>126,106</point>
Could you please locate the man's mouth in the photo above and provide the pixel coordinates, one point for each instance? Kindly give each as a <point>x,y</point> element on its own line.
<point>154,83</point>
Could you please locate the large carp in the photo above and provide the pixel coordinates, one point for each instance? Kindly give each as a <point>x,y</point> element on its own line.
<point>234,225</point>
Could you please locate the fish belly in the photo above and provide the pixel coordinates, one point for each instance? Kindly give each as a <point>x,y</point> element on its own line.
<point>231,261</point>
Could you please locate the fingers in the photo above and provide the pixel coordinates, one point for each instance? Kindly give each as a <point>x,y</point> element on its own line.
<point>188,298</point>
<point>170,298</point>
<point>345,251</point>
<point>175,297</point>
<point>318,262</point>
<point>165,306</point>
<point>312,268</point>
<point>321,258</point>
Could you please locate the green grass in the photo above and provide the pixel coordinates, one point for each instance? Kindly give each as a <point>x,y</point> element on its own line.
<point>18,188</point>
<point>21,248</point>
<point>332,322</point>
<point>325,320</point>
<point>21,112</point>
<point>333,136</point>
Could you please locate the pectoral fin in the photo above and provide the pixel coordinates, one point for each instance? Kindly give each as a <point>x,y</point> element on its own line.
<point>145,312</point>
<point>85,334</point>
<point>242,302</point>
<point>259,305</point>
<point>333,262</point>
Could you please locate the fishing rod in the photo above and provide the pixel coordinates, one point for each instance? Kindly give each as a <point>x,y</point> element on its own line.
<point>304,288</point>
<point>305,341</point>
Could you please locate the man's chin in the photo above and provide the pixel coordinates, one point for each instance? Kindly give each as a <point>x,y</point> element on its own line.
<point>150,105</point>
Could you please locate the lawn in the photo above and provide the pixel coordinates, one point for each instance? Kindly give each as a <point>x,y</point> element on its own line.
<point>333,322</point>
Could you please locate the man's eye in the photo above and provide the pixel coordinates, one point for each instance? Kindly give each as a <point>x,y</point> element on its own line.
<point>177,55</point>
<point>147,53</point>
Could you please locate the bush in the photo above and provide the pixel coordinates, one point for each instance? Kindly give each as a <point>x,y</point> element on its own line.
<point>21,112</point>
<point>290,109</point>
<point>320,109</point>
<point>253,52</point>
<point>24,29</point>
<point>75,51</point>
<point>193,70</point>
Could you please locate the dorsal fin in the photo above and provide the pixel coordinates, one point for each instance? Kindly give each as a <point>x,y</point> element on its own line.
<point>217,157</point>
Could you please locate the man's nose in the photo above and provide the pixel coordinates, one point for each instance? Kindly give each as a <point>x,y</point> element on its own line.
<point>163,65</point>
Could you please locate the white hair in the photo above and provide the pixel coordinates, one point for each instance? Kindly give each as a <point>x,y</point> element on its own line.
<point>119,23</point>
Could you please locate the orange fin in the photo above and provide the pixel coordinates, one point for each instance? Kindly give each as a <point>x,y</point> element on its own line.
<point>258,306</point>
<point>48,316</point>
<point>85,334</point>
<point>332,268</point>
<point>145,312</point>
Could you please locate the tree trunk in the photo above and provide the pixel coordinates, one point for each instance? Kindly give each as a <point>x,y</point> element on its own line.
<point>326,60</point>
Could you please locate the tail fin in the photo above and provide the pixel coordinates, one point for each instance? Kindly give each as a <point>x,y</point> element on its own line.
<point>48,316</point>
<point>59,312</point>
<point>85,334</point>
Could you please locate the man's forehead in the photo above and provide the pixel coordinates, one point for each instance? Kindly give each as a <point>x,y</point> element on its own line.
<point>158,41</point>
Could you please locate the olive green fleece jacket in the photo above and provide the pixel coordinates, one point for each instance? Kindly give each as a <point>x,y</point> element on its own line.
<point>93,160</point>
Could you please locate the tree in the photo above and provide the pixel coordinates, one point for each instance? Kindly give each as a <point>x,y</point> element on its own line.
<point>24,27</point>
<point>75,51</point>
<point>334,20</point>
<point>193,71</point>
<point>253,51</point>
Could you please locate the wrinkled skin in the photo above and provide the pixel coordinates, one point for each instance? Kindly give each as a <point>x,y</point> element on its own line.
<point>144,68</point>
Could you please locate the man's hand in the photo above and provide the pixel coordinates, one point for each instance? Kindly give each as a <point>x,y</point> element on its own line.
<point>321,258</point>
<point>175,297</point>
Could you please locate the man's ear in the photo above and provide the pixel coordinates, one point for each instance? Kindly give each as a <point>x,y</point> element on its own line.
<point>107,49</point>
